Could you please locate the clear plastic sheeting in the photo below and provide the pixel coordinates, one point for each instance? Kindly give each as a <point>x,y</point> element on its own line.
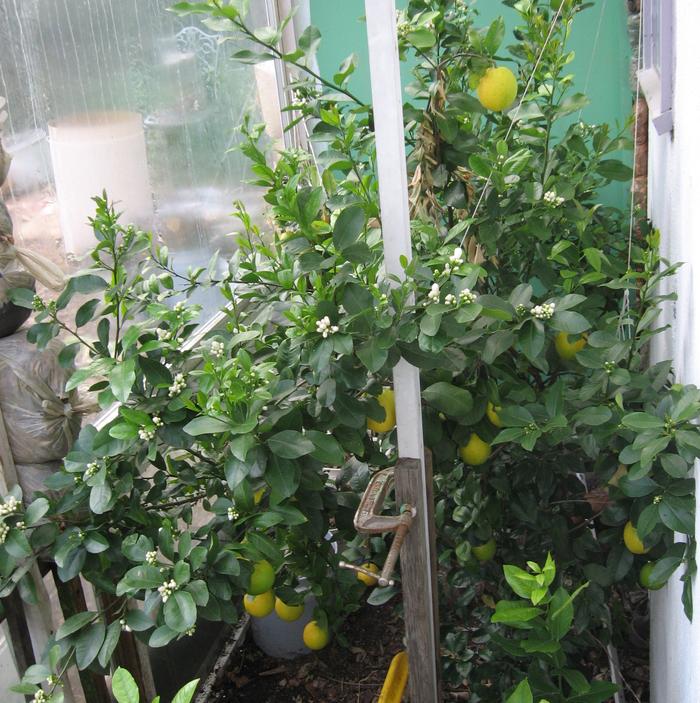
<point>127,96</point>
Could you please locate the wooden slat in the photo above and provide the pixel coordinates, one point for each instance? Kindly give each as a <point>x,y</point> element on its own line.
<point>416,561</point>
<point>72,601</point>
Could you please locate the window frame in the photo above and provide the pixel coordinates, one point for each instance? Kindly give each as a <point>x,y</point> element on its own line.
<point>657,82</point>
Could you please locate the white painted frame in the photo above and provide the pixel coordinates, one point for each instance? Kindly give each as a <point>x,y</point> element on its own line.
<point>657,82</point>
<point>387,104</point>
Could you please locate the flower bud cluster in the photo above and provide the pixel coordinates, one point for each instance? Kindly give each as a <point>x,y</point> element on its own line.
<point>544,311</point>
<point>10,506</point>
<point>324,327</point>
<point>551,198</point>
<point>178,385</point>
<point>167,590</point>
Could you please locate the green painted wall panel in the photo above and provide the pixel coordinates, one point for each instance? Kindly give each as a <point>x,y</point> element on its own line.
<point>599,39</point>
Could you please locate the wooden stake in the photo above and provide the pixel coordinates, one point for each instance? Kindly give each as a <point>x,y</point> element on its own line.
<point>415,487</point>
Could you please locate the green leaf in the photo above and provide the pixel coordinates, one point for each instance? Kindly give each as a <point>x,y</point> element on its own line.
<point>206,425</point>
<point>156,374</point>
<point>561,614</point>
<point>283,477</point>
<point>74,623</point>
<point>614,170</point>
<point>110,643</point>
<point>180,612</point>
<point>421,38</point>
<point>593,416</point>
<point>138,621</point>
<point>140,577</point>
<point>647,521</point>
<point>677,513</point>
<point>135,547</point>
<point>290,444</point>
<point>496,344</point>
<point>85,312</point>
<point>121,380</point>
<point>36,511</point>
<point>674,465</point>
<point>520,581</point>
<point>327,448</point>
<point>89,644</point>
<point>372,355</point>
<point>642,421</point>
<point>494,35</point>
<point>235,471</point>
<point>348,227</point>
<point>600,691</point>
<point>161,636</point>
<point>521,694</point>
<point>569,322</point>
<point>124,687</point>
<point>451,400</point>
<point>186,693</point>
<point>100,498</point>
<point>514,612</point>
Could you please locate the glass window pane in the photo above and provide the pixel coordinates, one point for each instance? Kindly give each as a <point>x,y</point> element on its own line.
<point>126,96</point>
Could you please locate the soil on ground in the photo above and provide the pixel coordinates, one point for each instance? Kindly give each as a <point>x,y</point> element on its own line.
<point>334,675</point>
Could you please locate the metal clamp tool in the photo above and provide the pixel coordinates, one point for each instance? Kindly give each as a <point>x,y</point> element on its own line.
<point>369,520</point>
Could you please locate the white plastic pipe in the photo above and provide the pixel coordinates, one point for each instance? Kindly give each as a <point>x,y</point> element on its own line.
<point>387,104</point>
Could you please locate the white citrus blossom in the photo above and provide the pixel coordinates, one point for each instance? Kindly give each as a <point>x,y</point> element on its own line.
<point>324,327</point>
<point>544,311</point>
<point>434,293</point>
<point>551,198</point>
<point>466,296</point>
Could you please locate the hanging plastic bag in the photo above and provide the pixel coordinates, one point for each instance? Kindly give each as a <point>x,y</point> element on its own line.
<point>44,270</point>
<point>41,419</point>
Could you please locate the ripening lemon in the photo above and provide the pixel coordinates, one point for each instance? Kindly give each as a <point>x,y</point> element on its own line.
<point>632,541</point>
<point>492,414</point>
<point>368,580</point>
<point>485,552</point>
<point>386,400</point>
<point>645,577</point>
<point>566,349</point>
<point>261,605</point>
<point>497,88</point>
<point>289,613</point>
<point>262,578</point>
<point>258,495</point>
<point>315,636</point>
<point>475,452</point>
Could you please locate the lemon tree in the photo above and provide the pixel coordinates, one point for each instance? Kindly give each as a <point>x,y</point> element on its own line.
<point>298,376</point>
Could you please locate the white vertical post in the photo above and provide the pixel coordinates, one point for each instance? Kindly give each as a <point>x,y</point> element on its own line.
<point>393,195</point>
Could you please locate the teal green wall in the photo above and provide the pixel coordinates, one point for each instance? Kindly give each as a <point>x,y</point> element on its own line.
<point>601,66</point>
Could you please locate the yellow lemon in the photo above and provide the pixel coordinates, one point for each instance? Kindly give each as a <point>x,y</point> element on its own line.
<point>261,605</point>
<point>475,452</point>
<point>497,88</point>
<point>386,400</point>
<point>368,580</point>
<point>645,577</point>
<point>262,578</point>
<point>258,495</point>
<point>566,349</point>
<point>315,636</point>
<point>492,414</point>
<point>632,541</point>
<point>485,552</point>
<point>290,613</point>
